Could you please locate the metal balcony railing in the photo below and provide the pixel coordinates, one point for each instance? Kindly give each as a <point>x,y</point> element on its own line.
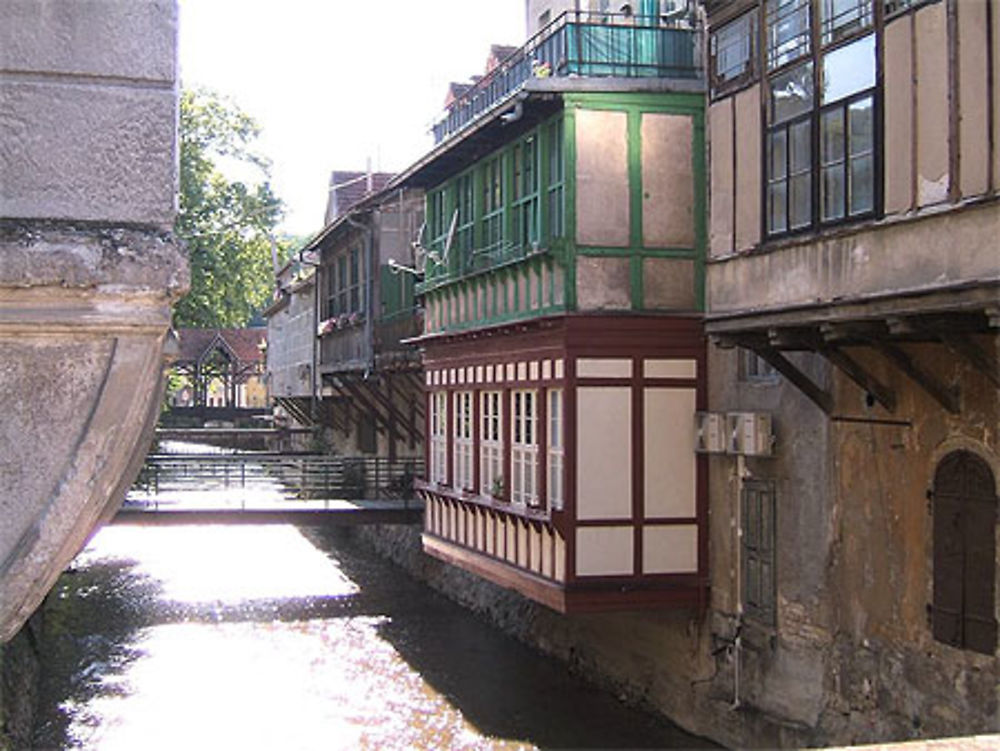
<point>584,44</point>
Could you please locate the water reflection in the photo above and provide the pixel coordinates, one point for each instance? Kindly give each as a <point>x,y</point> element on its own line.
<point>257,638</point>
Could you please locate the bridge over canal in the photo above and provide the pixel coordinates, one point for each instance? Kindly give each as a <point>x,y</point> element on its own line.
<point>272,488</point>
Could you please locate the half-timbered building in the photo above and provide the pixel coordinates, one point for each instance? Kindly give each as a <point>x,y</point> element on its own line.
<point>562,289</point>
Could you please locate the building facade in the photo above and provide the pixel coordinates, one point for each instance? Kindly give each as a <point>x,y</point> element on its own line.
<point>853,292</point>
<point>368,380</point>
<point>562,286</point>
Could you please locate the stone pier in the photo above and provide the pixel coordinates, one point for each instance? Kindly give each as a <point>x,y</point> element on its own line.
<point>88,270</point>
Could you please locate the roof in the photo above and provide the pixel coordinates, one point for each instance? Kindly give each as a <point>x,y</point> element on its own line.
<point>348,188</point>
<point>499,53</point>
<point>244,344</point>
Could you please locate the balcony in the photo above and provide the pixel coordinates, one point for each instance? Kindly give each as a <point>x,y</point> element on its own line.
<point>582,44</point>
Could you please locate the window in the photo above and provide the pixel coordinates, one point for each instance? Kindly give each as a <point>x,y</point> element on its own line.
<point>493,202</point>
<point>439,437</point>
<point>734,50</point>
<point>753,368</point>
<point>965,518</point>
<point>757,538</point>
<point>466,221</point>
<point>491,444</point>
<point>354,282</point>
<point>820,153</point>
<point>557,176</point>
<point>555,449</point>
<point>900,6</point>
<point>463,439</point>
<point>525,194</point>
<point>437,223</point>
<point>788,36</point>
<point>524,448</point>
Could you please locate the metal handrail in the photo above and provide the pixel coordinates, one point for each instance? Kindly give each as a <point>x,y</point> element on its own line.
<point>586,44</point>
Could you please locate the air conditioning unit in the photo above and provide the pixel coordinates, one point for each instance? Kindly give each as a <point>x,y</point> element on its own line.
<point>709,433</point>
<point>749,433</point>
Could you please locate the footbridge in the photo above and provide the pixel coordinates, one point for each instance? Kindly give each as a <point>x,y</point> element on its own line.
<point>272,488</point>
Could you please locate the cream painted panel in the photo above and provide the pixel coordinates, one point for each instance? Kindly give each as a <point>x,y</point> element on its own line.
<point>560,562</point>
<point>491,530</point>
<point>522,545</point>
<point>973,87</point>
<point>602,191</point>
<point>721,177</point>
<point>932,104</point>
<point>604,551</point>
<point>604,453</point>
<point>511,533</point>
<point>603,368</point>
<point>898,96</point>
<point>667,180</point>
<point>670,549</point>
<point>547,543</point>
<point>670,368</point>
<point>748,166</point>
<point>669,488</point>
<point>535,564</point>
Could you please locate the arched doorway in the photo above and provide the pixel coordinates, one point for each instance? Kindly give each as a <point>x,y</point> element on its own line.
<point>965,517</point>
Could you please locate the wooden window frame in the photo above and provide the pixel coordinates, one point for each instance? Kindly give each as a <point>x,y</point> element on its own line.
<point>524,452</point>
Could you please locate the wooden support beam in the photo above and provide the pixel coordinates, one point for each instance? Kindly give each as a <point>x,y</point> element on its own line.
<point>856,372</point>
<point>359,396</point>
<point>947,397</point>
<point>964,346</point>
<point>822,399</point>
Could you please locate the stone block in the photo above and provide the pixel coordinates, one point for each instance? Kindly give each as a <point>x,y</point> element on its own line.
<point>102,153</point>
<point>120,39</point>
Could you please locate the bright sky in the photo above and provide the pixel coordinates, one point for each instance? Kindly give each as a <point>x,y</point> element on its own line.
<point>334,83</point>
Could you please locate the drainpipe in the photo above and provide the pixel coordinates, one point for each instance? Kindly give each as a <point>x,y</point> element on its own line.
<point>741,475</point>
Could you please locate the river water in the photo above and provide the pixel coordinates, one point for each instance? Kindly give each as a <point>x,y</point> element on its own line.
<point>272,637</point>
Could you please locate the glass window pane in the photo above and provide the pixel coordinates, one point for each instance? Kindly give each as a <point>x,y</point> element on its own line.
<point>849,69</point>
<point>787,31</point>
<point>800,201</point>
<point>778,154</point>
<point>860,117</point>
<point>839,18</point>
<point>833,192</point>
<point>800,148</point>
<point>776,199</point>
<point>792,92</point>
<point>862,177</point>
<point>832,136</point>
<point>732,47</point>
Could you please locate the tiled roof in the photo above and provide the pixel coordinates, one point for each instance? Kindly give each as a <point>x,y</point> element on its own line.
<point>499,53</point>
<point>243,343</point>
<point>348,188</point>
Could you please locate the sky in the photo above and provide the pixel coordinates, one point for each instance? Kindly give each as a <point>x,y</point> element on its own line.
<point>336,83</point>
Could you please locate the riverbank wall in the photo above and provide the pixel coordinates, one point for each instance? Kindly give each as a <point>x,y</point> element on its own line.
<point>654,660</point>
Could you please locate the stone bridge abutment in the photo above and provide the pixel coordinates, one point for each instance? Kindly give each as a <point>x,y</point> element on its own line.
<point>88,270</point>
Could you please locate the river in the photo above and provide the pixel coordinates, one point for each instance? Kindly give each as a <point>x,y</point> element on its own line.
<point>272,637</point>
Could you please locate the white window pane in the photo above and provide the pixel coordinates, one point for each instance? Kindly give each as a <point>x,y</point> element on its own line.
<point>849,69</point>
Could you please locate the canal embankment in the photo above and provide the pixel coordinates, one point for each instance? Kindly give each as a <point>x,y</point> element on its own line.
<point>636,656</point>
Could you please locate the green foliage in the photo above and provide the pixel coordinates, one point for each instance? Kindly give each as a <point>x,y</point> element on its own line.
<point>226,224</point>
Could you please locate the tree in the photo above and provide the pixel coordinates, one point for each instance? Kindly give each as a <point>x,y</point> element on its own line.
<point>226,224</point>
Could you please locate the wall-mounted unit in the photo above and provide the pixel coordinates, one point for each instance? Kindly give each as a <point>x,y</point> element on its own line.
<point>749,433</point>
<point>710,433</point>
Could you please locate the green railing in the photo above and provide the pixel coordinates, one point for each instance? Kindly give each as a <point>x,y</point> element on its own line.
<point>586,44</point>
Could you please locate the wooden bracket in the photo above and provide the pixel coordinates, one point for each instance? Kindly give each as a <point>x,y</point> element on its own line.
<point>823,399</point>
<point>947,397</point>
<point>964,346</point>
